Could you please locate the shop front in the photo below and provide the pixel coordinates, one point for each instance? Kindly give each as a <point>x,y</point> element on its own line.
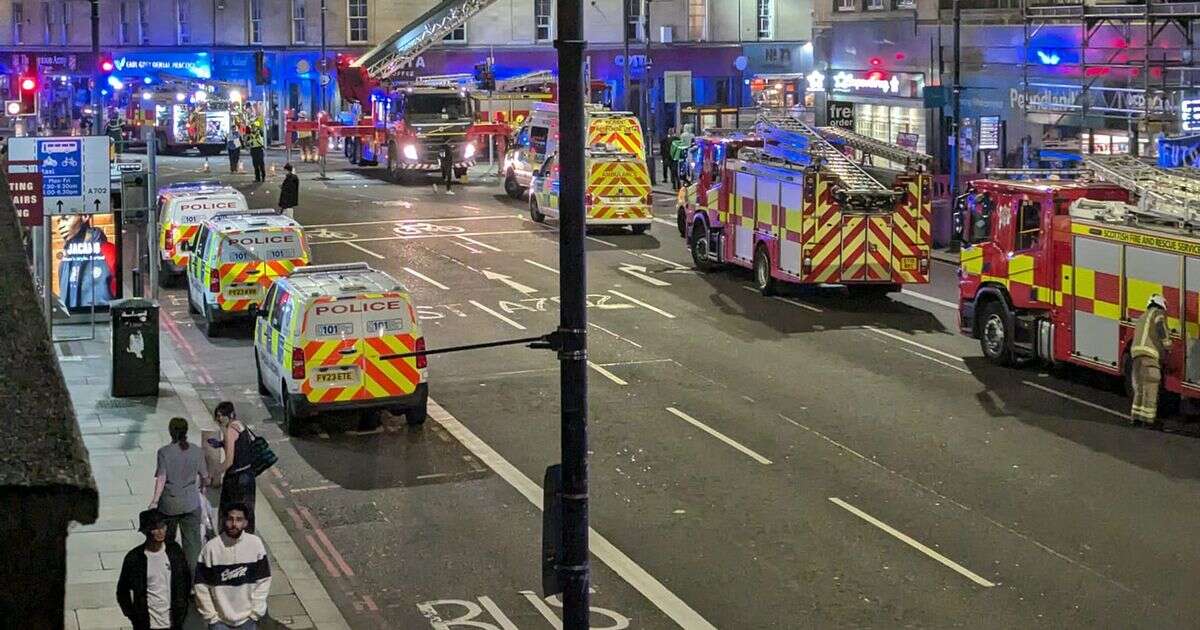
<point>886,106</point>
<point>64,82</point>
<point>775,74</point>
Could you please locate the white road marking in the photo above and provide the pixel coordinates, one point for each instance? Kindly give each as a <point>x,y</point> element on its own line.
<point>479,243</point>
<point>395,221</point>
<point>930,299</point>
<point>512,284</point>
<point>329,486</point>
<point>802,305</point>
<point>471,208</point>
<point>902,537</point>
<point>642,304</point>
<point>364,249</point>
<point>666,222</point>
<point>606,374</point>
<point>720,436</point>
<point>642,362</point>
<point>639,272</point>
<point>497,315</point>
<point>637,577</point>
<point>427,278</point>
<point>957,368</point>
<point>410,237</point>
<point>914,343</point>
<point>1077,400</point>
<point>603,329</point>
<point>468,247</point>
<point>541,266</point>
<point>665,261</point>
<point>593,238</point>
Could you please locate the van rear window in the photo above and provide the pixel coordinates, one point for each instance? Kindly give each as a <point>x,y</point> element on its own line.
<point>261,246</point>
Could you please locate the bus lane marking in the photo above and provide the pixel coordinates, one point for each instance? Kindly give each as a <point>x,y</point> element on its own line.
<point>497,315</point>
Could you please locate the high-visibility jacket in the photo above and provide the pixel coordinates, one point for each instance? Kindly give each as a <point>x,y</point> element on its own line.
<point>254,140</point>
<point>1150,335</point>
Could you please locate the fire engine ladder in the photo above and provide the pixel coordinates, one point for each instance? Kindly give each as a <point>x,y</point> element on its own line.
<point>443,80</point>
<point>539,77</point>
<point>879,148</point>
<point>1161,194</point>
<point>780,130</point>
<point>405,45</point>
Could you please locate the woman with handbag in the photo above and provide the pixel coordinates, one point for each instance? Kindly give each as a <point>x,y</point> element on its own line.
<point>237,484</point>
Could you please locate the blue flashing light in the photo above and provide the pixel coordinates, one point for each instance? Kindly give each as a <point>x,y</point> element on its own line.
<point>1059,156</point>
<point>147,80</point>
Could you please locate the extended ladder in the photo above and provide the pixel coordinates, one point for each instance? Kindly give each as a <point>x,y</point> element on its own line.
<point>405,45</point>
<point>879,148</point>
<point>1161,193</point>
<point>539,77</point>
<point>780,130</point>
<point>444,80</point>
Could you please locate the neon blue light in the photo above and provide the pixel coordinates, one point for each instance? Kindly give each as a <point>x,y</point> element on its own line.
<point>1048,58</point>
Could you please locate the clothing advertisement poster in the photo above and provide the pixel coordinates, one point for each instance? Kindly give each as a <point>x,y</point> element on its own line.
<point>85,255</point>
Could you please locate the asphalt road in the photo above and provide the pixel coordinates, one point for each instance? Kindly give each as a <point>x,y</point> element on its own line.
<point>807,461</point>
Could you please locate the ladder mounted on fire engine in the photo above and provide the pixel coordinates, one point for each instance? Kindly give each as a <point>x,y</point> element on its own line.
<point>405,45</point>
<point>781,131</point>
<point>879,148</point>
<point>539,77</point>
<point>1163,195</point>
<point>443,80</point>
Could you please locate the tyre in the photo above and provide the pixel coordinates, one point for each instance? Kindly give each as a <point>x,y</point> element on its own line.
<point>262,387</point>
<point>534,213</point>
<point>762,272</point>
<point>165,278</point>
<point>995,328</point>
<point>191,304</point>
<point>210,326</point>
<point>681,220</point>
<point>415,416</point>
<point>291,422</point>
<point>699,246</point>
<point>512,187</point>
<point>640,229</point>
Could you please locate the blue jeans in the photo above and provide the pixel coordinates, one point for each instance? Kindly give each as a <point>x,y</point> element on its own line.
<point>249,625</point>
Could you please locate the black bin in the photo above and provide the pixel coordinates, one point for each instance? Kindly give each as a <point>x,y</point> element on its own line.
<point>135,366</point>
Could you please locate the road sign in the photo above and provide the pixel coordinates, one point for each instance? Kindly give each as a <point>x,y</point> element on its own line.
<point>25,188</point>
<point>75,171</point>
<point>677,86</point>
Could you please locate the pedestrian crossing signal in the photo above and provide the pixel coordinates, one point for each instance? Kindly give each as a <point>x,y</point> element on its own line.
<point>12,108</point>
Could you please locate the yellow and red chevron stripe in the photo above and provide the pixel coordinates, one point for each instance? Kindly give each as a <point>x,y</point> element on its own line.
<point>180,234</point>
<point>378,377</point>
<point>258,272</point>
<point>623,134</point>
<point>824,247</point>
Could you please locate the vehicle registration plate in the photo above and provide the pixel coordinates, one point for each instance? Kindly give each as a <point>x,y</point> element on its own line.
<point>337,377</point>
<point>908,263</point>
<point>244,292</point>
<point>622,200</point>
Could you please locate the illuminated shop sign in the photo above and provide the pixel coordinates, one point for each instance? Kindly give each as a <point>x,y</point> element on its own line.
<point>195,64</point>
<point>901,84</point>
<point>1189,115</point>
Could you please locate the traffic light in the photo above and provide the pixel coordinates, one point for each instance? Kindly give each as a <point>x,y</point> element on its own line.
<point>106,65</point>
<point>262,73</point>
<point>28,87</point>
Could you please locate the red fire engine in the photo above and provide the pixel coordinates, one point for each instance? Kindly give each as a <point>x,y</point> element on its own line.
<point>798,210</point>
<point>1058,270</point>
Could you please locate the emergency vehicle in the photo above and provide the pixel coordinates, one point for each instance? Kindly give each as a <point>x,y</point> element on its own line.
<point>181,210</point>
<point>329,338</point>
<point>702,169</point>
<point>537,140</point>
<point>235,259</point>
<point>617,191</point>
<point>799,210</point>
<point>1058,269</point>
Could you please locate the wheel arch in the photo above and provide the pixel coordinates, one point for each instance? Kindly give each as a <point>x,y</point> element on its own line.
<point>987,294</point>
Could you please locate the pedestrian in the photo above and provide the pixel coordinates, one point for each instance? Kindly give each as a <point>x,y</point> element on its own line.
<point>234,145</point>
<point>179,480</point>
<point>237,481</point>
<point>447,165</point>
<point>664,149</point>
<point>1151,340</point>
<point>254,140</point>
<point>155,581</point>
<point>233,577</point>
<point>289,192</point>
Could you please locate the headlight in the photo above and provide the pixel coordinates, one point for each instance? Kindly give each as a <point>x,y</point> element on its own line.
<point>469,151</point>
<point>410,152</point>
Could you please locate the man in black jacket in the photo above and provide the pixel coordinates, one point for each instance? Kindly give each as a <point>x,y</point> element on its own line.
<point>289,192</point>
<point>155,585</point>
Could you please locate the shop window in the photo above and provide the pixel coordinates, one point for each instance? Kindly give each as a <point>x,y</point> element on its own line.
<point>183,22</point>
<point>299,21</point>
<point>123,26</point>
<point>143,9</point>
<point>256,16</point>
<point>906,5</point>
<point>845,5</point>
<point>1029,225</point>
<point>766,19</point>
<point>543,17</point>
<point>697,20</point>
<point>356,17</point>
<point>18,23</point>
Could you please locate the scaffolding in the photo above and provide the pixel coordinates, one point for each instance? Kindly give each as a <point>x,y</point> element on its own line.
<point>1156,71</point>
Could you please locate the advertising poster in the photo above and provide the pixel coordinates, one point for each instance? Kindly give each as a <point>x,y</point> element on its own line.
<point>84,251</point>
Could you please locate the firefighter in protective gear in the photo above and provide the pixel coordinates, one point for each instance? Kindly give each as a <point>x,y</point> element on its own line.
<point>1151,340</point>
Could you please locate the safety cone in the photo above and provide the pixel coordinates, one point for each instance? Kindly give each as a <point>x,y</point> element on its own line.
<point>272,168</point>
<point>207,168</point>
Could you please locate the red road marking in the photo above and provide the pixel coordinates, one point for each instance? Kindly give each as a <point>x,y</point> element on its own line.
<point>295,518</point>
<point>321,554</point>
<point>275,490</point>
<point>333,552</point>
<point>370,603</point>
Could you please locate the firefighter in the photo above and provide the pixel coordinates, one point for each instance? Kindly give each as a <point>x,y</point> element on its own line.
<point>1151,340</point>
<point>447,164</point>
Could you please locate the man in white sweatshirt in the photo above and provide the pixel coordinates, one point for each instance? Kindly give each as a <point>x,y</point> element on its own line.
<point>233,576</point>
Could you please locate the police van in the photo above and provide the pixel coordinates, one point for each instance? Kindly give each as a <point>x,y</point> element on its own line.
<point>181,210</point>
<point>331,338</point>
<point>236,258</point>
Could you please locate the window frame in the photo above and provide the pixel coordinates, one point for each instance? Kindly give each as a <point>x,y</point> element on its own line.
<point>363,17</point>
<point>48,22</point>
<point>183,22</point>
<point>299,21</point>
<point>634,13</point>
<point>765,10</point>
<point>143,18</point>
<point>1020,231</point>
<point>123,22</point>
<point>65,24</point>
<point>875,5</point>
<point>457,35</point>
<point>18,23</point>
<point>538,16</point>
<point>845,6</point>
<point>697,20</point>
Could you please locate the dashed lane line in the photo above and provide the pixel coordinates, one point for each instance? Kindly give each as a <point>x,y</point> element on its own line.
<point>720,436</point>
<point>808,307</point>
<point>613,334</point>
<point>427,278</point>
<point>364,250</point>
<point>624,566</point>
<point>479,243</point>
<point>1071,398</point>
<point>914,343</point>
<point>602,242</point>
<point>642,304</point>
<point>904,538</point>
<point>608,375</point>
<point>497,315</point>
<point>956,368</point>
<point>930,299</point>
<point>413,237</point>
<point>467,247</point>
<point>541,266</point>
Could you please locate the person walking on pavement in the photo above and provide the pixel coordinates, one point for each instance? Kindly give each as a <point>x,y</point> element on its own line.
<point>289,192</point>
<point>155,580</point>
<point>1151,340</point>
<point>234,146</point>
<point>179,480</point>
<point>234,576</point>
<point>254,141</point>
<point>664,149</point>
<point>237,482</point>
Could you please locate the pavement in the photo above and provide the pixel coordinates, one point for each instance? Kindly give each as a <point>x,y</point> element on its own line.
<point>122,436</point>
<point>816,459</point>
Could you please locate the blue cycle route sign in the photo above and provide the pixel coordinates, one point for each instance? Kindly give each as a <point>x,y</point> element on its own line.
<point>61,164</point>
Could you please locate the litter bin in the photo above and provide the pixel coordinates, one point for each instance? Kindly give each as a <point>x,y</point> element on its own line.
<point>134,347</point>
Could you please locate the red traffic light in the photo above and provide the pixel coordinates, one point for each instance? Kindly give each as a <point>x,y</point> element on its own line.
<point>106,65</point>
<point>28,84</point>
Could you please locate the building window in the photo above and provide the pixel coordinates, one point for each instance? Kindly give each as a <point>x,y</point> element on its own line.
<point>906,5</point>
<point>299,22</point>
<point>876,5</point>
<point>458,34</point>
<point>697,20</point>
<point>18,19</point>
<point>766,19</point>
<point>65,25</point>
<point>144,22</point>
<point>256,11</point>
<point>47,23</point>
<point>543,14</point>
<point>123,22</point>
<point>633,28</point>
<point>356,16</point>
<point>183,21</point>
<point>845,5</point>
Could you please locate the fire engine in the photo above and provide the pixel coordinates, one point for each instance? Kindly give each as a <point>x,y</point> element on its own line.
<point>798,210</point>
<point>1058,270</point>
<point>702,170</point>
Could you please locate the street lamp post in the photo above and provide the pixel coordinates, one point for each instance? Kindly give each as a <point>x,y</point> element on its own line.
<point>97,110</point>
<point>323,65</point>
<point>648,117</point>
<point>956,112</point>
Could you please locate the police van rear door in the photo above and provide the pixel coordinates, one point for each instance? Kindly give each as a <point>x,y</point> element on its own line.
<point>185,214</point>
<point>352,347</point>
<point>251,260</point>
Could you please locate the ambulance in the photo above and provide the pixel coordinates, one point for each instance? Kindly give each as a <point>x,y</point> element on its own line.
<point>617,191</point>
<point>330,338</point>
<point>181,210</point>
<point>537,140</point>
<point>236,258</point>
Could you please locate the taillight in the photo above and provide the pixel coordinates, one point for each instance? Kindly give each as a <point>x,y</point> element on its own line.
<point>924,265</point>
<point>214,283</point>
<point>169,240</point>
<point>807,263</point>
<point>298,363</point>
<point>422,360</point>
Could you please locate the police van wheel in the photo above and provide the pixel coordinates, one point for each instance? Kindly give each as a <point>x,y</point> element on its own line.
<point>210,326</point>
<point>639,229</point>
<point>700,247</point>
<point>511,186</point>
<point>762,272</point>
<point>415,416</point>
<point>192,305</point>
<point>291,423</point>
<point>535,213</point>
<point>262,387</point>
<point>994,327</point>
